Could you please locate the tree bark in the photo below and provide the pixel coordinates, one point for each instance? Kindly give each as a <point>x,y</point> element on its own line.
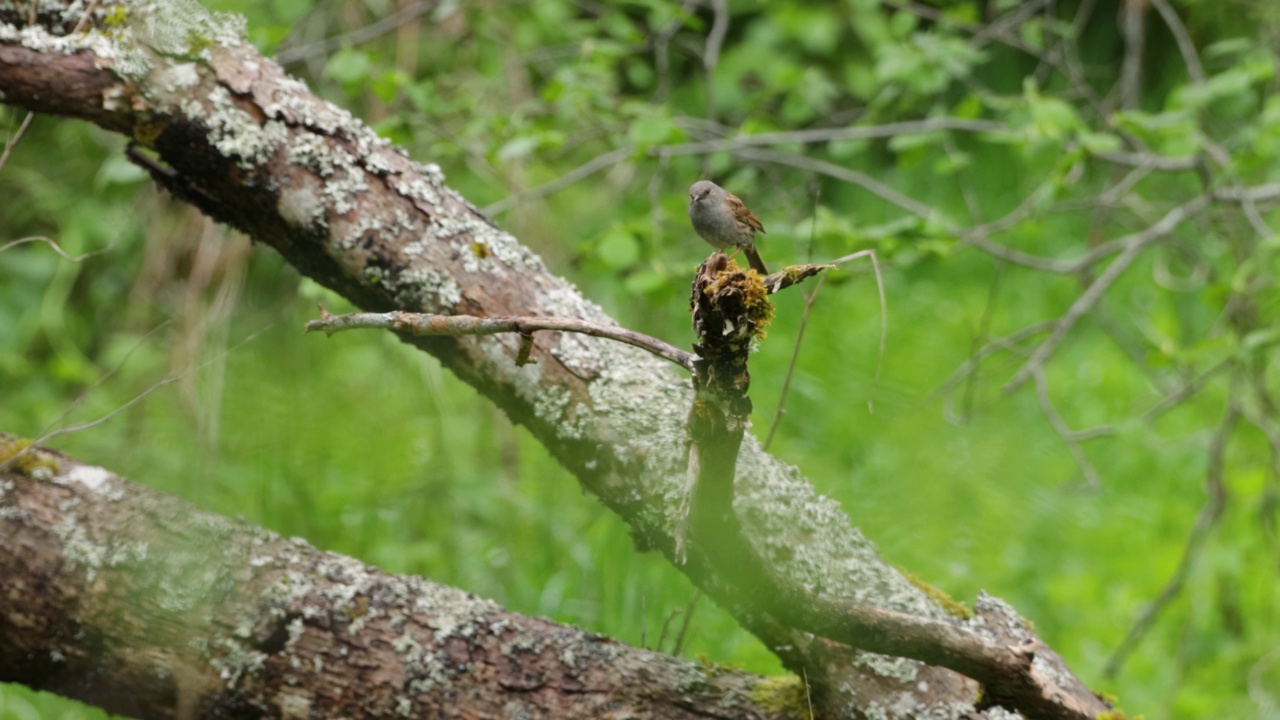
<point>141,604</point>
<point>225,129</point>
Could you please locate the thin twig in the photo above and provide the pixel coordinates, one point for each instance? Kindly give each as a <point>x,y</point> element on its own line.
<point>970,366</point>
<point>1215,488</point>
<point>1184,391</point>
<point>382,27</point>
<point>84,16</point>
<point>666,625</point>
<point>684,622</point>
<point>1263,695</point>
<point>701,147</point>
<point>1133,245</point>
<point>884,317</point>
<point>1092,481</point>
<point>48,434</point>
<point>833,134</point>
<point>56,248</point>
<point>1195,70</point>
<point>1151,160</point>
<point>840,172</point>
<point>592,166</point>
<point>459,325</point>
<point>711,52</point>
<point>14,138</point>
<point>809,299</point>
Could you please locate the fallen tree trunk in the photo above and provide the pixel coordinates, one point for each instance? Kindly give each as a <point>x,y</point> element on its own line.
<point>143,605</point>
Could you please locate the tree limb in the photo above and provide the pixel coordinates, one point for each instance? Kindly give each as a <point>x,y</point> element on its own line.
<point>141,604</point>
<point>232,134</point>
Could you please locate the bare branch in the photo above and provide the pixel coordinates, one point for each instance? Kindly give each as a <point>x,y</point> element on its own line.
<point>585,170</point>
<point>1151,160</point>
<point>1195,70</point>
<point>1133,245</point>
<point>1216,502</point>
<point>10,143</point>
<point>56,247</point>
<point>884,316</point>
<point>423,324</point>
<point>389,24</point>
<point>840,172</point>
<point>1092,480</point>
<point>791,365</point>
<point>817,135</point>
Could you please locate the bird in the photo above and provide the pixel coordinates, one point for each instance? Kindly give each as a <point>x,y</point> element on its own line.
<point>721,219</point>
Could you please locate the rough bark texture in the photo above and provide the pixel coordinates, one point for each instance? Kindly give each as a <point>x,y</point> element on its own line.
<point>139,603</point>
<point>228,131</point>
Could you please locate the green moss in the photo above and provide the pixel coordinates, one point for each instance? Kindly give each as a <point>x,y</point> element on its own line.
<point>1116,714</point>
<point>34,464</point>
<point>782,694</point>
<point>715,669</point>
<point>954,607</point>
<point>116,16</point>
<point>757,307</point>
<point>197,43</point>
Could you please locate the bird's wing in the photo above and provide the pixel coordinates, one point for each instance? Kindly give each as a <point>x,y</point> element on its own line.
<point>741,212</point>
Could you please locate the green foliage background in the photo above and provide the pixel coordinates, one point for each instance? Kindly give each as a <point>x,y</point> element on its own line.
<point>365,447</point>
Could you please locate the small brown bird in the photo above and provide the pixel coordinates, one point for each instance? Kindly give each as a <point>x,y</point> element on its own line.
<point>722,220</point>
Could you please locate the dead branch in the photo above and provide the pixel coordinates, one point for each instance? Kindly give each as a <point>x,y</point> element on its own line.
<point>145,606</point>
<point>425,325</point>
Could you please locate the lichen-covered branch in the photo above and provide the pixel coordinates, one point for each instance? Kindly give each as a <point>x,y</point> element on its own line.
<point>458,325</point>
<point>145,606</point>
<point>225,129</point>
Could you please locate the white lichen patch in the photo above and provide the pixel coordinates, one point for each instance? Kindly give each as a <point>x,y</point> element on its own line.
<point>551,402</point>
<point>502,245</point>
<point>425,671</point>
<point>93,478</point>
<point>375,162</point>
<point>896,668</point>
<point>344,189</point>
<point>301,207</point>
<point>235,133</point>
<point>990,609</point>
<point>36,37</point>
<point>429,289</point>
<point>292,102</point>
<point>295,629</point>
<point>78,549</point>
<point>294,703</point>
<point>315,153</point>
<point>233,660</point>
<point>564,300</point>
<point>420,191</point>
<point>176,78</point>
<point>184,28</point>
<point>907,707</point>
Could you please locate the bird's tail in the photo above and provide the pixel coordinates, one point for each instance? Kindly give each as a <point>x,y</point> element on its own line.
<point>753,258</point>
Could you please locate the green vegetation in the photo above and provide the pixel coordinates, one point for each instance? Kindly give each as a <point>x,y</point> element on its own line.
<point>366,447</point>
